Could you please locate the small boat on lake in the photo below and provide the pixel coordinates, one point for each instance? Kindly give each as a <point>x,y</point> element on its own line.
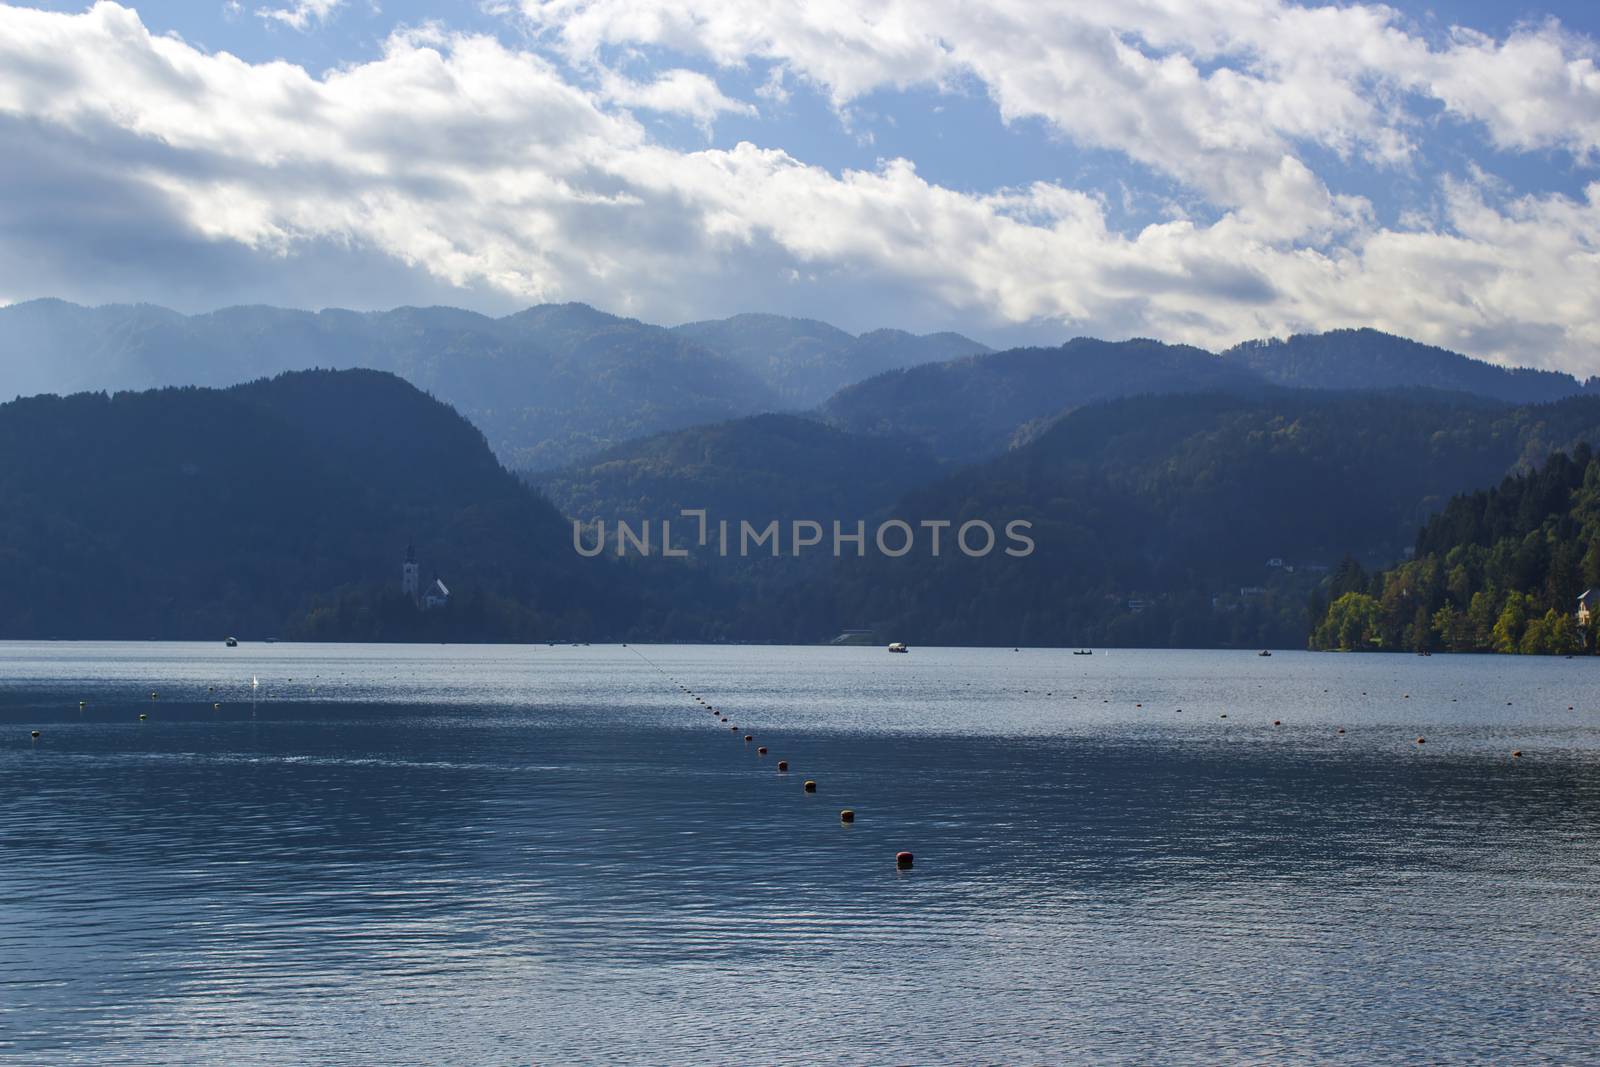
<point>1264,652</point>
<point>899,646</point>
<point>232,642</point>
<point>1084,652</point>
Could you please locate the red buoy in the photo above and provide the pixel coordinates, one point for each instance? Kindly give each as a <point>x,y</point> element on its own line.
<point>783,765</point>
<point>847,815</point>
<point>748,738</point>
<point>902,860</point>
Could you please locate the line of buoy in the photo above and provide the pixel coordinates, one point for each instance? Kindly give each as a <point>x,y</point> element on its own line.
<point>847,816</point>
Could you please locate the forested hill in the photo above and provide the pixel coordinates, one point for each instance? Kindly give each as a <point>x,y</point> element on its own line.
<point>759,468</point>
<point>199,513</point>
<point>972,408</point>
<point>1370,359</point>
<point>1158,519</point>
<point>1498,570</point>
<point>976,407</point>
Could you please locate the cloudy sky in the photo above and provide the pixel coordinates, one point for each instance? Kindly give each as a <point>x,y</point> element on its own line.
<point>1196,170</point>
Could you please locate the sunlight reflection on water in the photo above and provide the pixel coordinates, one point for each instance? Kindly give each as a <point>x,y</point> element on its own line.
<point>535,854</point>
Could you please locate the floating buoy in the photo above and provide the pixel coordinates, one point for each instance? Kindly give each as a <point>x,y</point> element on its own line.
<point>214,707</point>
<point>1224,715</point>
<point>152,694</point>
<point>36,735</point>
<point>84,703</point>
<point>748,739</point>
<point>903,860</point>
<point>735,729</point>
<point>1408,696</point>
<point>1275,722</point>
<point>1422,740</point>
<point>1517,754</point>
<point>783,765</point>
<point>847,815</point>
<point>1341,729</point>
<point>810,786</point>
<point>762,751</point>
<point>143,716</point>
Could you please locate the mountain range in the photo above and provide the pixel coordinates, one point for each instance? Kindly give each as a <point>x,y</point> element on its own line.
<point>1161,480</point>
<point>547,385</point>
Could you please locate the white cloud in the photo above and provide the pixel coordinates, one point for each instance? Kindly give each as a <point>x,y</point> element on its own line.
<point>1213,92</point>
<point>678,92</point>
<point>502,172</point>
<point>301,14</point>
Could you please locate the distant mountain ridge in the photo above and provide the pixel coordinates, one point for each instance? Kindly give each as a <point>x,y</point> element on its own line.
<point>806,360</point>
<point>547,384</point>
<point>975,407</point>
<point>966,409</point>
<point>557,384</point>
<point>1371,359</point>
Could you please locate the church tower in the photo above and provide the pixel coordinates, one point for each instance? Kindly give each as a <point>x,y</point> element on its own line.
<point>408,574</point>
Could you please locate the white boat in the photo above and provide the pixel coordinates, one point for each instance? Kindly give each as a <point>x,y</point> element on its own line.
<point>899,646</point>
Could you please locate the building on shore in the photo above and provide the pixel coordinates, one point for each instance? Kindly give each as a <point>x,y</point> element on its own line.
<point>436,595</point>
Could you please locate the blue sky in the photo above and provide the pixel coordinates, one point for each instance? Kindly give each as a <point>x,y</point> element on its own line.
<point>1195,170</point>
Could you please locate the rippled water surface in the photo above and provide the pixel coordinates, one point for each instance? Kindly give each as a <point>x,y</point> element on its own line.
<point>512,855</point>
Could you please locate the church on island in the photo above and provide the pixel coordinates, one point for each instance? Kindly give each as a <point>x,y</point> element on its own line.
<point>436,595</point>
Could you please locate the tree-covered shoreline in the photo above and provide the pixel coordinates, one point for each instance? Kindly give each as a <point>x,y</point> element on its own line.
<point>1498,570</point>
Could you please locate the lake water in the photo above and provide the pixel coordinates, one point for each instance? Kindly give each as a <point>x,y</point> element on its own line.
<point>512,855</point>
